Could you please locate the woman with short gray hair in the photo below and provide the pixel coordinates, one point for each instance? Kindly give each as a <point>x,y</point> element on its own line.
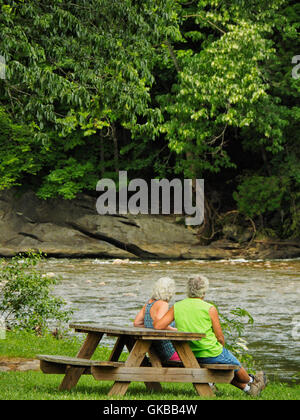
<point>193,314</point>
<point>197,286</point>
<point>156,307</point>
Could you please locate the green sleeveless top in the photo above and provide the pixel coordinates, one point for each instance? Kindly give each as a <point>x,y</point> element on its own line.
<point>192,315</point>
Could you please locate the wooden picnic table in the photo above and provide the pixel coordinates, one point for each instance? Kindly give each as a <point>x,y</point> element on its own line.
<point>142,363</point>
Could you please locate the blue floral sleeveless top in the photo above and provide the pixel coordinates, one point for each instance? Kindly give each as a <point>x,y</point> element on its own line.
<point>164,348</point>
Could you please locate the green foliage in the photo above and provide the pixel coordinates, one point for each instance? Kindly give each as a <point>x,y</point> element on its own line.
<point>220,87</point>
<point>157,88</point>
<point>89,62</point>
<point>68,178</point>
<point>26,301</point>
<point>18,152</point>
<point>234,329</point>
<point>258,195</point>
<point>275,186</point>
<point>73,70</point>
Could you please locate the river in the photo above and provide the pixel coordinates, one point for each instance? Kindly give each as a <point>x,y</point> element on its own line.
<point>111,293</point>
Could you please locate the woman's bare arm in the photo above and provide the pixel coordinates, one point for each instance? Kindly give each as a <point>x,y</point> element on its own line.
<point>214,316</point>
<point>161,309</point>
<point>139,319</point>
<point>165,321</point>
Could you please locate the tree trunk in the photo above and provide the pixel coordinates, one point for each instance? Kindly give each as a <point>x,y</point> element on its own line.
<point>115,147</point>
<point>102,155</point>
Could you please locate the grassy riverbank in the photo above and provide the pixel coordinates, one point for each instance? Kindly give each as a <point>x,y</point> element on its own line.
<point>34,385</point>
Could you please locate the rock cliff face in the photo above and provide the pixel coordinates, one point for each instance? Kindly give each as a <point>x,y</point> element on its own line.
<point>63,228</point>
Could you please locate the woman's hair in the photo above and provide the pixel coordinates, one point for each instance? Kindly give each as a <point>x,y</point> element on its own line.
<point>163,289</point>
<point>197,286</point>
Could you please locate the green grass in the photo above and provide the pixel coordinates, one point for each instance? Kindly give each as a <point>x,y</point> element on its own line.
<point>22,344</point>
<point>38,386</point>
<point>33,385</point>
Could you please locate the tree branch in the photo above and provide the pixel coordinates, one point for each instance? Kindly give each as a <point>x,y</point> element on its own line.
<point>173,56</point>
<point>206,20</point>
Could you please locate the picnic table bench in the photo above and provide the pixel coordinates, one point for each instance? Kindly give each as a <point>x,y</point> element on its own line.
<point>142,363</point>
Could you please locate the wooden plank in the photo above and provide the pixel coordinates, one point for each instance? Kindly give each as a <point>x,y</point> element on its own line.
<point>152,374</point>
<point>146,333</point>
<point>129,342</point>
<point>118,348</point>
<point>155,362</point>
<point>64,360</point>
<point>218,366</point>
<point>172,363</point>
<point>108,364</point>
<point>73,374</point>
<point>52,368</point>
<point>162,336</point>
<point>75,361</point>
<point>189,361</point>
<point>151,386</point>
<point>89,346</point>
<point>167,337</point>
<point>134,359</point>
<point>215,366</point>
<point>154,358</point>
<point>58,369</point>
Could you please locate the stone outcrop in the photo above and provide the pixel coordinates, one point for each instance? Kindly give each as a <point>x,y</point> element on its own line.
<point>17,363</point>
<point>73,228</point>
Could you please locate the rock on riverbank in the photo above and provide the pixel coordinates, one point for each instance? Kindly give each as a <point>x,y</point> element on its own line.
<point>73,228</point>
<point>8,364</point>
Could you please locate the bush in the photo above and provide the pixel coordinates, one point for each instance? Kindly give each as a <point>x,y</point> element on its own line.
<point>26,301</point>
<point>234,329</point>
<point>258,195</point>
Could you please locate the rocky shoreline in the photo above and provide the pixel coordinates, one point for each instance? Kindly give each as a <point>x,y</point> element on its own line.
<point>73,229</point>
<point>20,364</point>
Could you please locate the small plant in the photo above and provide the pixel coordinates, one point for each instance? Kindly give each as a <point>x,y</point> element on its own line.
<point>26,301</point>
<point>234,328</point>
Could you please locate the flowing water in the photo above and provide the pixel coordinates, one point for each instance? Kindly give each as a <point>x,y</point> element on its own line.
<point>109,292</point>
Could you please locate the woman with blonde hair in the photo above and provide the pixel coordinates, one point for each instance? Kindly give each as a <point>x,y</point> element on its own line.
<point>156,307</point>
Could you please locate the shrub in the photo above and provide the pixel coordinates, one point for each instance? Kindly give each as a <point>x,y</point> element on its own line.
<point>26,301</point>
<point>258,195</point>
<point>234,328</point>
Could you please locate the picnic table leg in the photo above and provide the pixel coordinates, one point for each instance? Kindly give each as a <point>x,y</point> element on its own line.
<point>189,361</point>
<point>118,348</point>
<point>86,351</point>
<point>135,358</point>
<point>129,343</point>
<point>155,362</point>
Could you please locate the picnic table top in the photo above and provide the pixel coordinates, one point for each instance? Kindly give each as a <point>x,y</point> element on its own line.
<point>143,333</point>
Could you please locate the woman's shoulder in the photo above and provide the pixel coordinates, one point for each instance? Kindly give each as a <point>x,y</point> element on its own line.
<point>160,302</point>
<point>193,301</point>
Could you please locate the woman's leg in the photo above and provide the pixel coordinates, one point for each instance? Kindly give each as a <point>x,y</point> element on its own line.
<point>241,378</point>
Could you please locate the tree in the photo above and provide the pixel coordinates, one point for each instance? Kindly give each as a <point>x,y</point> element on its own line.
<point>221,86</point>
<point>157,88</point>
<point>231,88</point>
<point>276,196</point>
<point>76,71</point>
